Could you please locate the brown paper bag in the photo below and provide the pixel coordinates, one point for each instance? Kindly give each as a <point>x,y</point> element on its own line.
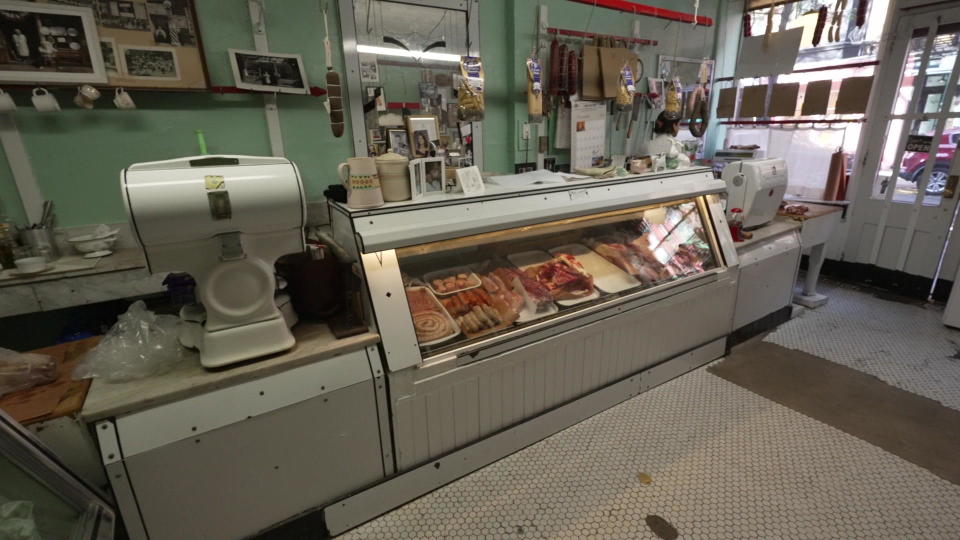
<point>753,100</point>
<point>726,103</point>
<point>815,98</point>
<point>853,95</point>
<point>783,100</point>
<point>590,74</point>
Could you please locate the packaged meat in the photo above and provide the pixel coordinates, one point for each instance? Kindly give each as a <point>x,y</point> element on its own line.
<point>451,280</point>
<point>430,322</point>
<point>535,301</point>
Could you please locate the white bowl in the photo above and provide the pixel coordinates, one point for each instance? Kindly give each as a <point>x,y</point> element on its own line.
<point>89,245</point>
<point>31,265</point>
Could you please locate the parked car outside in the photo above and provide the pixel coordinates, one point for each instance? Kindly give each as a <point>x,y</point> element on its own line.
<point>913,163</point>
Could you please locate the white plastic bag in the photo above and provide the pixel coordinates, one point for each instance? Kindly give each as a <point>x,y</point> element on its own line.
<point>140,344</point>
<point>16,521</point>
<point>19,371</point>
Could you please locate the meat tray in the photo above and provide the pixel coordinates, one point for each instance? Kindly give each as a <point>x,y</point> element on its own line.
<point>606,276</point>
<point>528,259</point>
<point>473,281</point>
<point>437,307</point>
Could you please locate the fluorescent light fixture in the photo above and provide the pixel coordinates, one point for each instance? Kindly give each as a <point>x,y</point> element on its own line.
<point>389,51</point>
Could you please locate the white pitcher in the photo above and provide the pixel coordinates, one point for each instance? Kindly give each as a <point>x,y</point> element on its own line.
<point>359,176</point>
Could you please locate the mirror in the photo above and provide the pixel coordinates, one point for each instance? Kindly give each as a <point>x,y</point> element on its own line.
<point>403,67</point>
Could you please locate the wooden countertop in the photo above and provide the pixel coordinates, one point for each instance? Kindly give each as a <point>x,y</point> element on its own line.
<point>776,227</point>
<point>816,210</point>
<point>62,397</point>
<point>122,259</point>
<point>315,342</point>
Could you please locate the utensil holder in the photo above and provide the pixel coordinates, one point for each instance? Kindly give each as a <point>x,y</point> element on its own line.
<point>43,241</point>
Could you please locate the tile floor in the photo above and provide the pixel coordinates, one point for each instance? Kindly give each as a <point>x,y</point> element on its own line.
<point>904,345</point>
<point>725,463</point>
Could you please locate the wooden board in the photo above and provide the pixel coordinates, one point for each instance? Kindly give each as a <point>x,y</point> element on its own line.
<point>816,97</point>
<point>853,95</point>
<point>727,103</point>
<point>783,100</point>
<point>62,397</point>
<point>753,101</point>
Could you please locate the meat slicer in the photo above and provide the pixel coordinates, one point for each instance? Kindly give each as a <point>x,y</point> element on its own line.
<point>224,220</point>
<point>756,186</point>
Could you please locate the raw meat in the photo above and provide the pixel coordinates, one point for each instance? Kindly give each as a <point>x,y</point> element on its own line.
<point>563,277</point>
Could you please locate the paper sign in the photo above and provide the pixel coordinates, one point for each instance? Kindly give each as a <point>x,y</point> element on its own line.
<point>769,55</point>
<point>815,98</point>
<point>470,181</point>
<point>919,143</point>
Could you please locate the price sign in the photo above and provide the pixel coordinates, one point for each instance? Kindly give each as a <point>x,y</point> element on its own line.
<point>919,143</point>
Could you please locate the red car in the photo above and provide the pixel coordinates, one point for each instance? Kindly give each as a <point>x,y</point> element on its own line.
<point>913,163</point>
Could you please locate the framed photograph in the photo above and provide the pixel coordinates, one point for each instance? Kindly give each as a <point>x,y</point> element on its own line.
<point>375,135</point>
<point>421,143</point>
<point>424,122</point>
<point>398,141</point>
<point>369,69</point>
<point>157,63</point>
<point>142,24</point>
<point>268,72</point>
<point>49,43</point>
<point>111,60</point>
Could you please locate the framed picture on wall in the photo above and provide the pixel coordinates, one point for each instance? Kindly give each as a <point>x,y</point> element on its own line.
<point>268,72</point>
<point>49,43</point>
<point>169,28</point>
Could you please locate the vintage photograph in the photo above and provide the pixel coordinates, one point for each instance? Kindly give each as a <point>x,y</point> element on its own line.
<point>398,141</point>
<point>123,14</point>
<point>272,72</point>
<point>151,62</point>
<point>108,49</point>
<point>421,143</point>
<point>369,69</point>
<point>49,43</point>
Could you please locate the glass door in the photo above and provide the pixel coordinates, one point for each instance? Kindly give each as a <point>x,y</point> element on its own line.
<point>40,498</point>
<point>904,209</point>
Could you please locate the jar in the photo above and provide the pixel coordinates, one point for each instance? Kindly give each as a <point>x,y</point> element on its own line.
<point>394,173</point>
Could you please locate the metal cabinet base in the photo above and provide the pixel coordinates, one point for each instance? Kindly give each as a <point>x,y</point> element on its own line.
<point>768,273</point>
<point>370,503</point>
<point>185,470</point>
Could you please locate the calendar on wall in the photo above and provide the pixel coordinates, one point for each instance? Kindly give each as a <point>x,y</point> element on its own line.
<point>588,129</point>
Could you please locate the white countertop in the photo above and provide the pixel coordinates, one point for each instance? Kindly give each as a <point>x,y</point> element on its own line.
<point>778,226</point>
<point>315,342</point>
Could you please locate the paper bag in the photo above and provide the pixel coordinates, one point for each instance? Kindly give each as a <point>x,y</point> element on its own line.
<point>815,98</point>
<point>590,74</point>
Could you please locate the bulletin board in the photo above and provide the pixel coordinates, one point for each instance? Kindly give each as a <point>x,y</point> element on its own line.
<point>149,43</point>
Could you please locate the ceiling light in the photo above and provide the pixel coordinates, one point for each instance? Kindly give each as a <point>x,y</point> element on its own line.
<point>417,55</point>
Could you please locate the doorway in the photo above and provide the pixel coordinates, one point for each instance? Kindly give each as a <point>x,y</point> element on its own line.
<point>903,209</point>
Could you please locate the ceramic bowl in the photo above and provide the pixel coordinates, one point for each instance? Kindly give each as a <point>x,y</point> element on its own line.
<point>89,243</point>
<point>31,265</point>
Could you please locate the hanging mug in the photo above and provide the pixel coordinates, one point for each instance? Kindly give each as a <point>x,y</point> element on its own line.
<point>122,99</point>
<point>6,102</point>
<point>359,176</point>
<point>44,101</point>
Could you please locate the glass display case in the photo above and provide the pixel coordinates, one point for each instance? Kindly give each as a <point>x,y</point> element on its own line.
<point>482,286</point>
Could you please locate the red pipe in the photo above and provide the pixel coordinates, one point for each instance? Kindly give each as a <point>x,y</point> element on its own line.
<point>413,105</point>
<point>577,33</point>
<point>650,11</point>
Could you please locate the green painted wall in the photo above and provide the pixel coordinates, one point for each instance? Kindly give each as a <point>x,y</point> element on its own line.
<point>77,154</point>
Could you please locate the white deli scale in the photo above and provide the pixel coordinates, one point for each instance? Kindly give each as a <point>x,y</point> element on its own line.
<point>224,220</point>
<point>757,187</point>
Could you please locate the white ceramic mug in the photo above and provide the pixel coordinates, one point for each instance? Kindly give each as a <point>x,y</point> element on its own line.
<point>44,101</point>
<point>88,92</point>
<point>6,102</point>
<point>123,100</point>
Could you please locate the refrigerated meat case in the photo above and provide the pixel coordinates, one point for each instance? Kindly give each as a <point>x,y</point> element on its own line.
<point>496,309</point>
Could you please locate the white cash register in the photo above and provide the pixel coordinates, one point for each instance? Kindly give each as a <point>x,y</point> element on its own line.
<point>224,220</point>
<point>757,187</point>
